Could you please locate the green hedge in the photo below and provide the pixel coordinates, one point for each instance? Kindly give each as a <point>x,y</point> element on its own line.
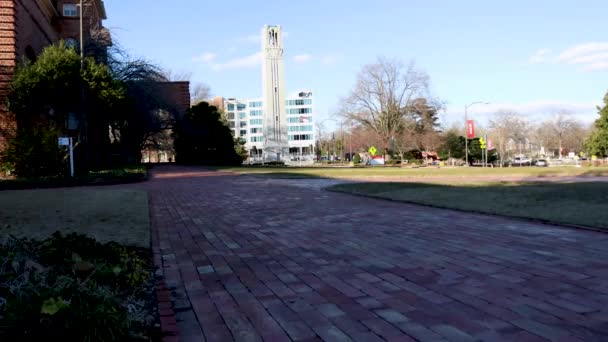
<point>129,174</point>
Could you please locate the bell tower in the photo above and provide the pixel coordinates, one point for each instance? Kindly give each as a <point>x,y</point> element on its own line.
<point>273,90</point>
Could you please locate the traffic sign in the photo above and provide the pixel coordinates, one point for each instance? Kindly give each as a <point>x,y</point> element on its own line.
<point>373,150</point>
<point>482,143</point>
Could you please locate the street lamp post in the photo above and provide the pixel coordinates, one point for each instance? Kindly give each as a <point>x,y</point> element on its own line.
<point>333,135</point>
<point>466,133</point>
<point>350,155</point>
<point>84,128</point>
<point>81,36</point>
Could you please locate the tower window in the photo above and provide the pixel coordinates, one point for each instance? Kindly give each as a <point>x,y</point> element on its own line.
<point>70,10</point>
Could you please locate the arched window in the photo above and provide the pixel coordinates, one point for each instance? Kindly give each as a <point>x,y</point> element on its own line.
<point>30,54</point>
<point>71,43</point>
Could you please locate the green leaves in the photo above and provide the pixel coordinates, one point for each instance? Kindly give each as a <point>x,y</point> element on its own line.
<point>52,305</point>
<point>597,143</point>
<point>44,298</point>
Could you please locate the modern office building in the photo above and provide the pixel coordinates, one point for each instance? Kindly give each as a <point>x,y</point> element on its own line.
<point>275,127</point>
<point>248,121</point>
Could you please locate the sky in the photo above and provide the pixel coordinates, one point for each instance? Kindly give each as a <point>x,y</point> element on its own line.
<point>532,57</point>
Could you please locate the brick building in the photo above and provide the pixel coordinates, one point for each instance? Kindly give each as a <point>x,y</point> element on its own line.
<point>27,26</point>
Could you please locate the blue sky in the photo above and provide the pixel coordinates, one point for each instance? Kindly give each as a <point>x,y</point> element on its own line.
<point>529,56</point>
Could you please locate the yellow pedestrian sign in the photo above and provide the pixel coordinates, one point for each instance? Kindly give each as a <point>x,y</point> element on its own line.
<point>372,150</point>
<point>482,143</point>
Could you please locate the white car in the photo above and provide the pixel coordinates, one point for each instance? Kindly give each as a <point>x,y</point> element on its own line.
<point>542,163</point>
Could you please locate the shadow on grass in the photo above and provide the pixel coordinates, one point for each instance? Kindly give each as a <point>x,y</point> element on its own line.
<point>578,204</point>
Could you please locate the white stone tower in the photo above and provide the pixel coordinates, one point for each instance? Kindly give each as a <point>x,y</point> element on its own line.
<point>273,92</point>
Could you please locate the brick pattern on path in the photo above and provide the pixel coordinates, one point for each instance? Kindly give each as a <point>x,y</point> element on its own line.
<point>250,260</point>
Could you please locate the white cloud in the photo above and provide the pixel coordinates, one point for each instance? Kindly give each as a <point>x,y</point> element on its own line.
<point>330,59</point>
<point>206,58</point>
<point>599,66</point>
<point>581,51</point>
<point>537,110</point>
<point>539,57</point>
<point>252,38</point>
<point>304,58</point>
<point>591,56</point>
<point>209,59</point>
<point>237,63</point>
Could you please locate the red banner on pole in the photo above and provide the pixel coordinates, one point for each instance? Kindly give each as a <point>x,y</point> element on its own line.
<point>470,129</point>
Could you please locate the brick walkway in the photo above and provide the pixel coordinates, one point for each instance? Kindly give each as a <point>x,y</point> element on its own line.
<point>250,260</point>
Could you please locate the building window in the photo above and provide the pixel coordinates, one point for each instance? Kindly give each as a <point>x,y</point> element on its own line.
<point>256,139</point>
<point>255,121</point>
<point>243,124</point>
<point>70,10</point>
<point>300,119</point>
<point>243,132</point>
<point>299,111</point>
<point>30,54</point>
<point>230,106</point>
<point>230,115</point>
<point>242,115</point>
<point>300,137</point>
<point>255,104</point>
<point>255,130</point>
<point>241,106</point>
<point>256,112</point>
<point>71,43</point>
<point>306,128</point>
<point>231,124</point>
<point>299,102</point>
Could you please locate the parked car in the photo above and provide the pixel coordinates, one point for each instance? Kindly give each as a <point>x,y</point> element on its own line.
<point>542,163</point>
<point>521,162</point>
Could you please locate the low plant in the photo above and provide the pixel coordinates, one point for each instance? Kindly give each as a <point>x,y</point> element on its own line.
<point>33,152</point>
<point>72,288</point>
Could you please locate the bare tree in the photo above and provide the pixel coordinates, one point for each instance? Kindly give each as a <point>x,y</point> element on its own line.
<point>507,126</point>
<point>561,123</point>
<point>177,76</point>
<point>383,96</point>
<point>200,92</point>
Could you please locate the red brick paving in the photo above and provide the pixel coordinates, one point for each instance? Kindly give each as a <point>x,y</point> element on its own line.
<point>250,260</point>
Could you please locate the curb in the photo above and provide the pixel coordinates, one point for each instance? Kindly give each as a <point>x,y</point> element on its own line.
<point>166,312</point>
<point>168,323</point>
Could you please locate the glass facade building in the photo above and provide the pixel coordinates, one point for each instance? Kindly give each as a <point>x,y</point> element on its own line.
<point>245,118</point>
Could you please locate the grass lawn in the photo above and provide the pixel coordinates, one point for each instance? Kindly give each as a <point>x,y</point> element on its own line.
<point>378,172</point>
<point>104,214</point>
<point>572,203</point>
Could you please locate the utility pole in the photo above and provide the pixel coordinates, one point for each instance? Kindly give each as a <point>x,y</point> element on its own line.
<point>85,126</point>
<point>81,37</point>
<point>351,142</point>
<point>486,150</point>
<point>466,130</point>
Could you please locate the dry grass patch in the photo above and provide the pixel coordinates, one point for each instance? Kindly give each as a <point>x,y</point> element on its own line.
<point>118,215</point>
